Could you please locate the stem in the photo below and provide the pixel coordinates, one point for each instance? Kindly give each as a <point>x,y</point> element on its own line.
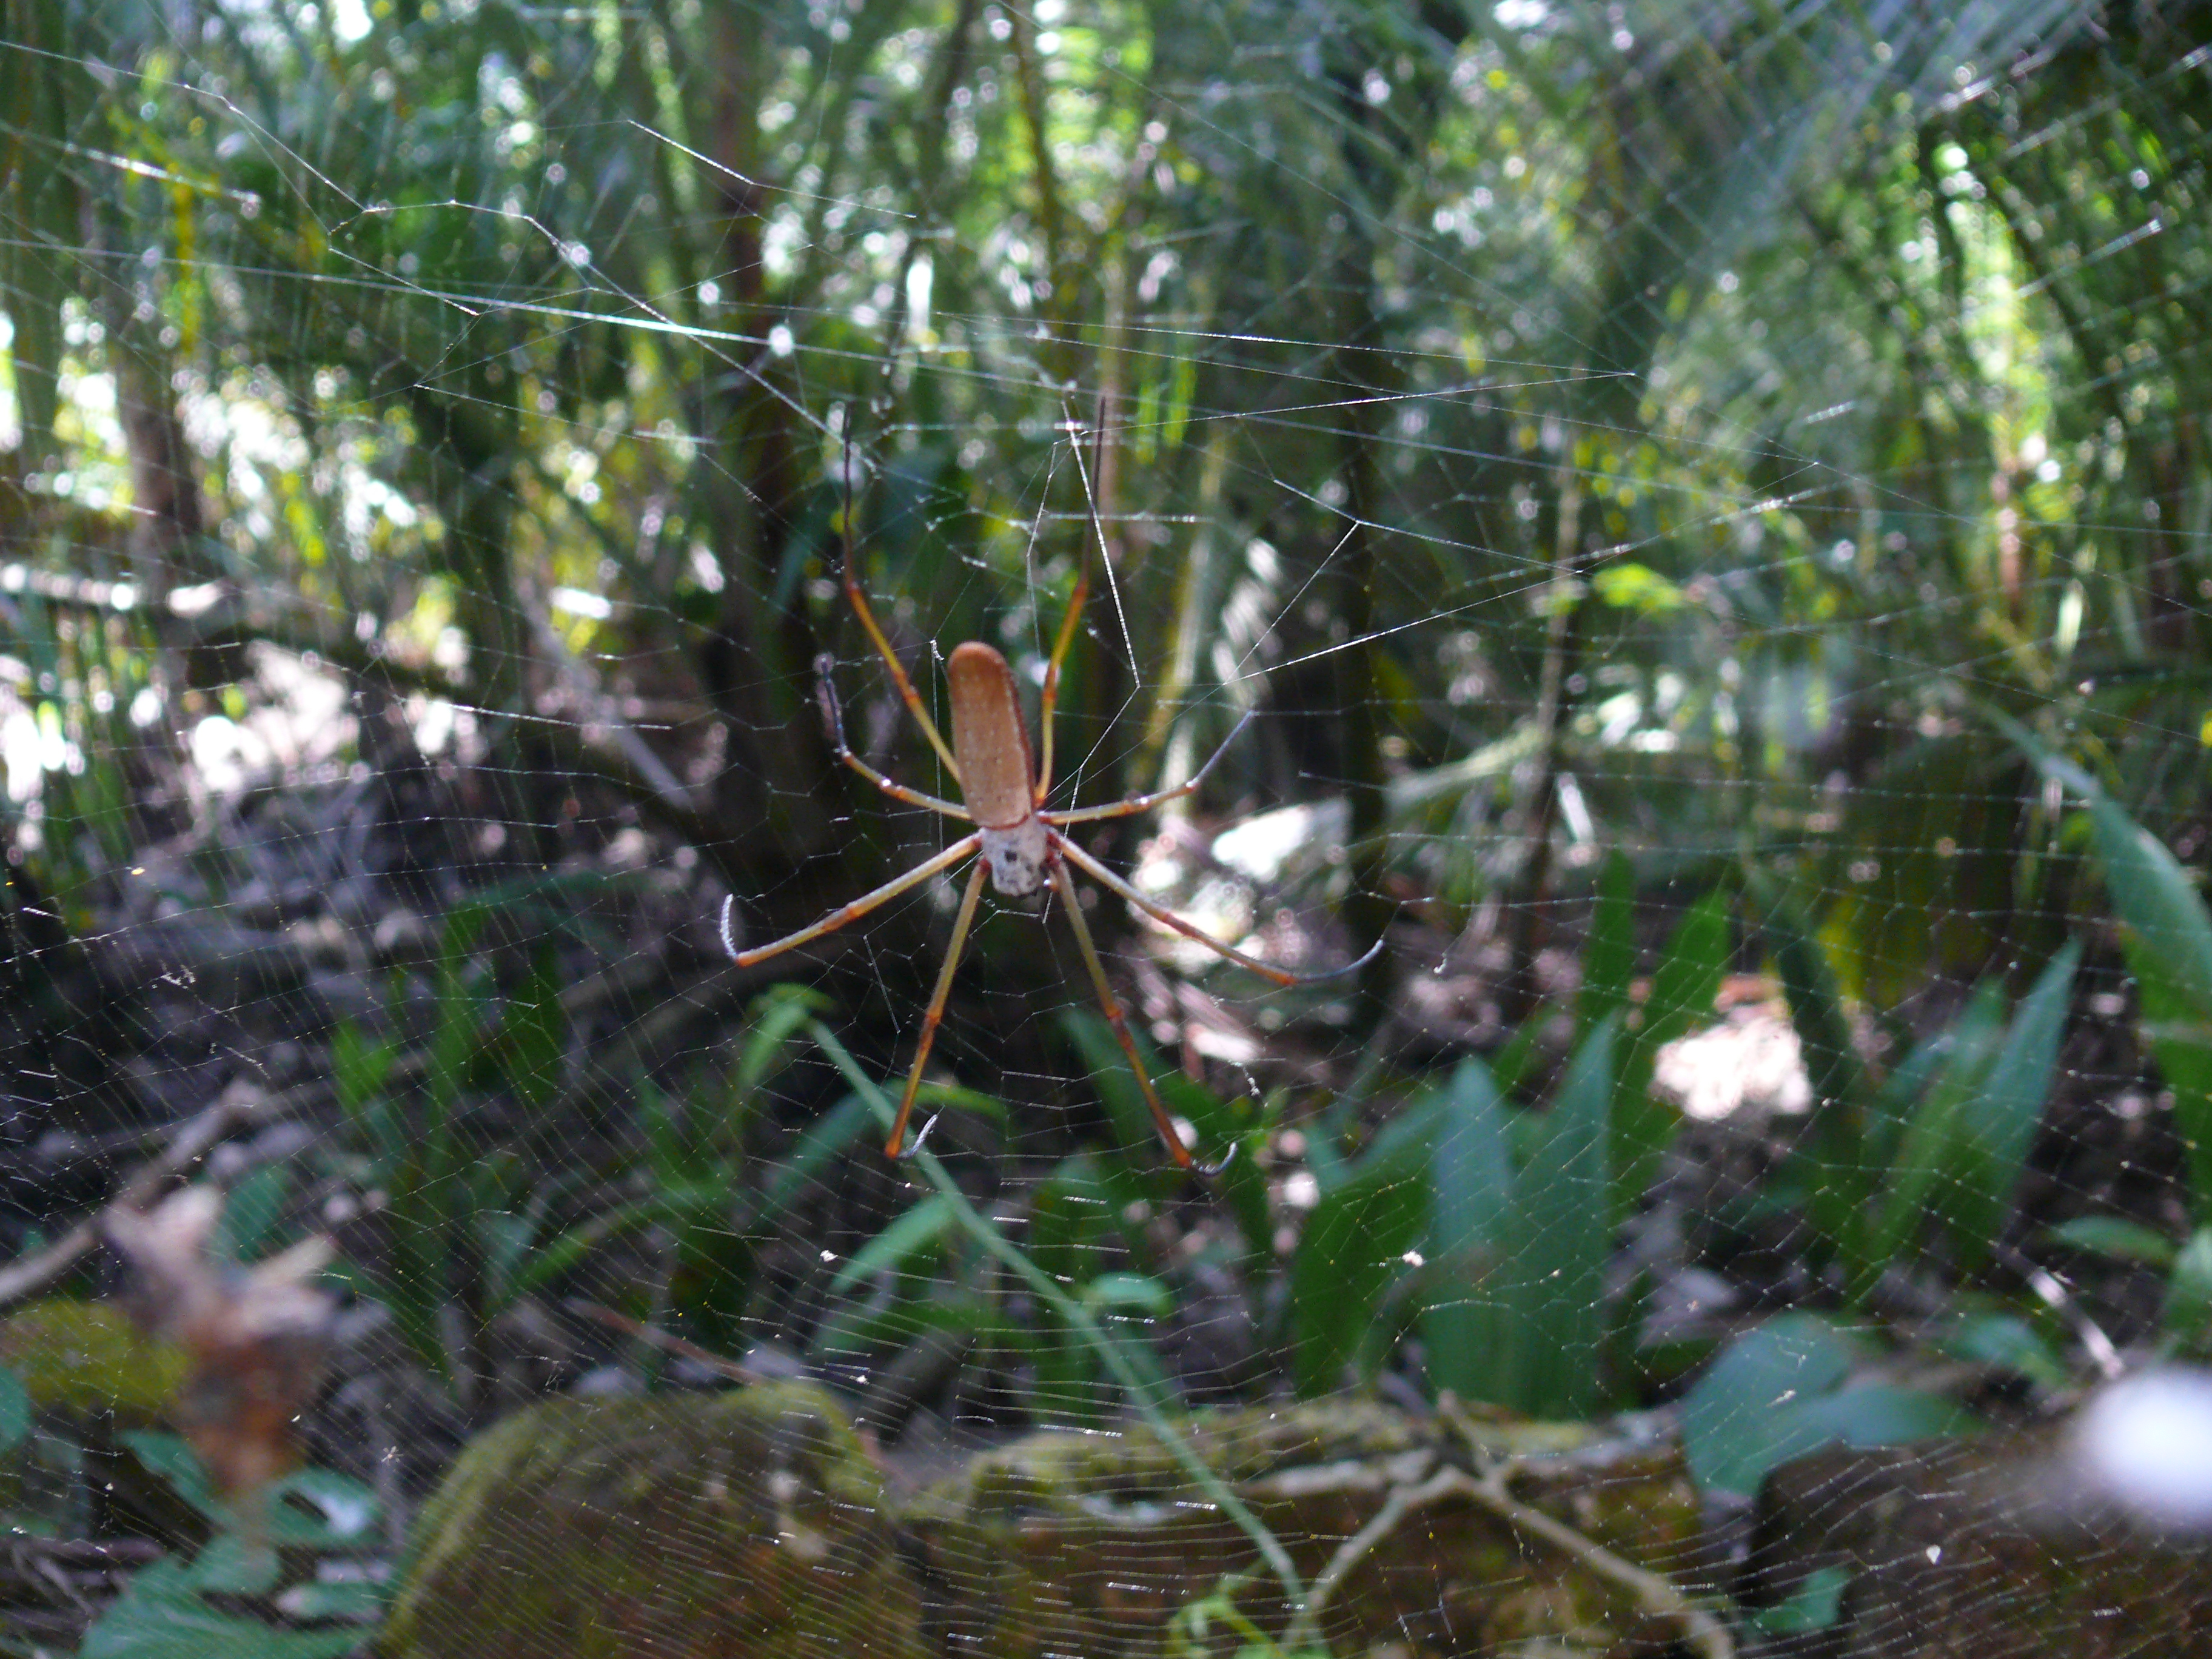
<point>1078,1318</point>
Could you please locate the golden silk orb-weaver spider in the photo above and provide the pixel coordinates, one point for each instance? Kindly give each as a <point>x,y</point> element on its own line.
<point>1003,789</point>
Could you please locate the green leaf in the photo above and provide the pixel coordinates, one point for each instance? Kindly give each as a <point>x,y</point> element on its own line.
<point>358,1068</point>
<point>1137,1290</point>
<point>1929,1151</point>
<point>533,1033</point>
<point>1814,1605</point>
<point>1833,1152</point>
<point>1470,1183</point>
<point>1632,587</point>
<point>1609,957</point>
<point>310,1508</point>
<point>321,1509</point>
<point>232,1566</point>
<point>2188,1312</point>
<point>1512,1066</point>
<point>1071,1220</point>
<point>169,1457</point>
<point>775,1019</point>
<point>1878,1415</point>
<point>1553,1242</point>
<point>358,1600</point>
<point>2005,1342</point>
<point>1728,1415</point>
<point>2167,934</point>
<point>162,1615</point>
<point>1988,1157</point>
<point>1773,1395</point>
<point>14,1410</point>
<point>825,1140</point>
<point>1900,1092</point>
<point>1683,987</point>
<point>1240,1188</point>
<point>251,1211</point>
<point>2116,1238</point>
<point>1353,1248</point>
<point>918,1229</point>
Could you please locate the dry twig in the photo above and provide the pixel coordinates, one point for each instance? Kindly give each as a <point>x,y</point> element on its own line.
<point>1655,1595</point>
<point>241,1105</point>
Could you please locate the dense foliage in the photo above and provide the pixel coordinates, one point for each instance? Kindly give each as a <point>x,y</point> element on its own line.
<point>1692,492</point>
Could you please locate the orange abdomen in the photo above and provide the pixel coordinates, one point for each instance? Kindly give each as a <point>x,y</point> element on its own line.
<point>998,777</point>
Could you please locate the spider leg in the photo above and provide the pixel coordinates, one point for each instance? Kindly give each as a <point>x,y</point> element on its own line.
<point>1049,696</point>
<point>931,1020</point>
<point>845,912</point>
<point>1110,1006</point>
<point>1161,914</point>
<point>858,600</point>
<point>1136,804</point>
<point>832,716</point>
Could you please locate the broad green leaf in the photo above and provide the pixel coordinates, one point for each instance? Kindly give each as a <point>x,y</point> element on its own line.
<point>1988,1156</point>
<point>2007,1342</point>
<point>1553,1241</point>
<point>1609,956</point>
<point>2116,1238</point>
<point>2188,1312</point>
<point>1877,1415</point>
<point>162,1615</point>
<point>231,1564</point>
<point>1728,1417</point>
<point>2167,937</point>
<point>1470,1183</point>
<point>1353,1248</point>
<point>359,1601</point>
<point>246,1230</point>
<point>1929,1151</point>
<point>310,1508</point>
<point>1815,1605</point>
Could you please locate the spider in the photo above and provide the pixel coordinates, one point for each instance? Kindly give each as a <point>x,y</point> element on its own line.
<point>1003,789</point>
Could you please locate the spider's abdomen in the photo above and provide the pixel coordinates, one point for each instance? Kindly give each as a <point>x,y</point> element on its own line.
<point>998,778</point>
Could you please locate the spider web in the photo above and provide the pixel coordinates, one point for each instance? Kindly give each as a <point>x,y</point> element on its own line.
<point>1632,465</point>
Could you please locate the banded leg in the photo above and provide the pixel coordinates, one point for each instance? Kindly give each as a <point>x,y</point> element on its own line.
<point>847,912</point>
<point>1048,696</point>
<point>1136,804</point>
<point>896,1147</point>
<point>858,601</point>
<point>1166,917</point>
<point>1110,1006</point>
<point>832,716</point>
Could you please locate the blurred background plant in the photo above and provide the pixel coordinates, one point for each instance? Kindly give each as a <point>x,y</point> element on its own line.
<point>1709,507</point>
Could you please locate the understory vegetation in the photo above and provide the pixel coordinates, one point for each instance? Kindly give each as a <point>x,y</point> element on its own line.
<point>1686,531</point>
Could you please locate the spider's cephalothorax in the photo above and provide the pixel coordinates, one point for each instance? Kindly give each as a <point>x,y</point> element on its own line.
<point>1003,789</point>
